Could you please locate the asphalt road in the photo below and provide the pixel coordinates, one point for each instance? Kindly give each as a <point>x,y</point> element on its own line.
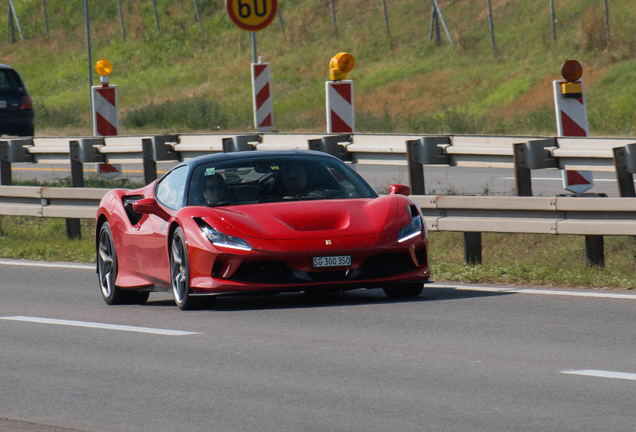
<point>455,359</point>
<point>440,180</point>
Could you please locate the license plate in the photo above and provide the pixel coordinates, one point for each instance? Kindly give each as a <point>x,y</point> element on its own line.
<point>3,103</point>
<point>333,261</point>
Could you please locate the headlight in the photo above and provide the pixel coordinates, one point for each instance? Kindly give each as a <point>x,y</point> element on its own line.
<point>219,239</point>
<point>414,228</point>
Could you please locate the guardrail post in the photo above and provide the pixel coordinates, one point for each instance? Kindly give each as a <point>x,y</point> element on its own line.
<point>523,177</point>
<point>5,173</point>
<point>13,151</point>
<point>472,247</point>
<point>528,156</point>
<point>625,165</point>
<point>424,151</point>
<point>73,227</point>
<point>81,151</point>
<point>332,144</point>
<point>594,250</point>
<point>241,143</point>
<point>157,149</point>
<point>150,164</point>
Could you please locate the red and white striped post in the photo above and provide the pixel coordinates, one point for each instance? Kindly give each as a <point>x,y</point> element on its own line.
<point>571,117</point>
<point>105,111</point>
<point>339,93</point>
<point>261,89</point>
<point>340,111</point>
<point>105,104</point>
<point>571,113</point>
<point>577,182</point>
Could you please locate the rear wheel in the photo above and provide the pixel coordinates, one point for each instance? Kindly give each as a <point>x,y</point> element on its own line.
<point>180,276</point>
<point>107,268</point>
<point>405,290</point>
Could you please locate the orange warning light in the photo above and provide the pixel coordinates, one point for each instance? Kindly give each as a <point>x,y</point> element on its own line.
<point>571,70</point>
<point>340,66</point>
<point>104,67</point>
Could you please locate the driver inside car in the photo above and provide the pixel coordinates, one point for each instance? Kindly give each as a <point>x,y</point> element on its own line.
<point>214,189</point>
<point>294,181</point>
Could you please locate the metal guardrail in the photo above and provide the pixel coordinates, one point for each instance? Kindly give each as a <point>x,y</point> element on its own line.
<point>38,201</point>
<point>461,150</point>
<point>591,217</point>
<point>531,215</point>
<point>523,153</point>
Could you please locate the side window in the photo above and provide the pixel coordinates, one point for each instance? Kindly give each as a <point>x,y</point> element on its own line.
<point>171,189</point>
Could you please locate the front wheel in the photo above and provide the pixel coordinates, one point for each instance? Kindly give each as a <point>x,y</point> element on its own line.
<point>404,290</point>
<point>180,276</point>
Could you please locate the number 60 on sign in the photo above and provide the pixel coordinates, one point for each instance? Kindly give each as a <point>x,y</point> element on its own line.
<point>251,15</point>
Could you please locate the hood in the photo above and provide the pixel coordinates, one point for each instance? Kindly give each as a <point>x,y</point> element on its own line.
<point>312,219</point>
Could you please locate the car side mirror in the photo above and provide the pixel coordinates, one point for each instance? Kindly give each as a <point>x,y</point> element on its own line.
<point>400,189</point>
<point>150,206</point>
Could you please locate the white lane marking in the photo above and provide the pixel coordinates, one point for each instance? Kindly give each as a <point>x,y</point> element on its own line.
<point>101,326</point>
<point>602,374</point>
<point>536,291</point>
<point>48,264</point>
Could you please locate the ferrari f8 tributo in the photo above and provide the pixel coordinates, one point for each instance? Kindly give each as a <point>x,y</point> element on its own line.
<point>258,222</point>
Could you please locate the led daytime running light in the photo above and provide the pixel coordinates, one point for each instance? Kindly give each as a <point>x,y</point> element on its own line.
<point>223,240</point>
<point>413,229</point>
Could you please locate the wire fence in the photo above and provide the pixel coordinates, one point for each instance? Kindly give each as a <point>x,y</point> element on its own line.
<point>13,21</point>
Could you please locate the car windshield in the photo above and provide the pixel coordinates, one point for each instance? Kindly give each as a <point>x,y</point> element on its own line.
<point>274,179</point>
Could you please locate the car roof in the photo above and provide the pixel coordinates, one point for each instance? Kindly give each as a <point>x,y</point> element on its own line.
<point>219,157</point>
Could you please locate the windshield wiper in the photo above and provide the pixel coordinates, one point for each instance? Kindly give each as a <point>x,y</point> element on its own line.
<point>223,203</point>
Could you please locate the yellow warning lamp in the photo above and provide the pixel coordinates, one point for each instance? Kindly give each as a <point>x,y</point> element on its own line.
<point>104,68</point>
<point>571,71</point>
<point>340,66</point>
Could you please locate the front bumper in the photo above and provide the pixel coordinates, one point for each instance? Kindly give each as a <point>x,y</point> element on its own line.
<point>288,265</point>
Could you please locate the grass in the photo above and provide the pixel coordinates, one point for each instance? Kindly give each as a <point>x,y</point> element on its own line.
<point>534,259</point>
<point>44,239</point>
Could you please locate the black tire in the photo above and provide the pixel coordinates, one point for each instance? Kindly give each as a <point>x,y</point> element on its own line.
<point>137,297</point>
<point>404,290</point>
<point>180,276</point>
<point>107,268</point>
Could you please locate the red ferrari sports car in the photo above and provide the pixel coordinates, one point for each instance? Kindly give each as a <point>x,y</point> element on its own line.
<point>258,222</point>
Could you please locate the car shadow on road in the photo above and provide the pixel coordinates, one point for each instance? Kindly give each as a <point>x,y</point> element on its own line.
<point>233,303</point>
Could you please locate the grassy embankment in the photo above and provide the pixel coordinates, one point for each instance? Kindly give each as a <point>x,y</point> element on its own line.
<point>181,82</point>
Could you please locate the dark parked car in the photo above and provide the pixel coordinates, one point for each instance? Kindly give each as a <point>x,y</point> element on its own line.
<point>16,107</point>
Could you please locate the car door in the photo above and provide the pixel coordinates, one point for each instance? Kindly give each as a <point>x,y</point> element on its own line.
<point>151,239</point>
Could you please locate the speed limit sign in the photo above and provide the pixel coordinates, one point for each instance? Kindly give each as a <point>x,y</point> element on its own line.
<point>251,15</point>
